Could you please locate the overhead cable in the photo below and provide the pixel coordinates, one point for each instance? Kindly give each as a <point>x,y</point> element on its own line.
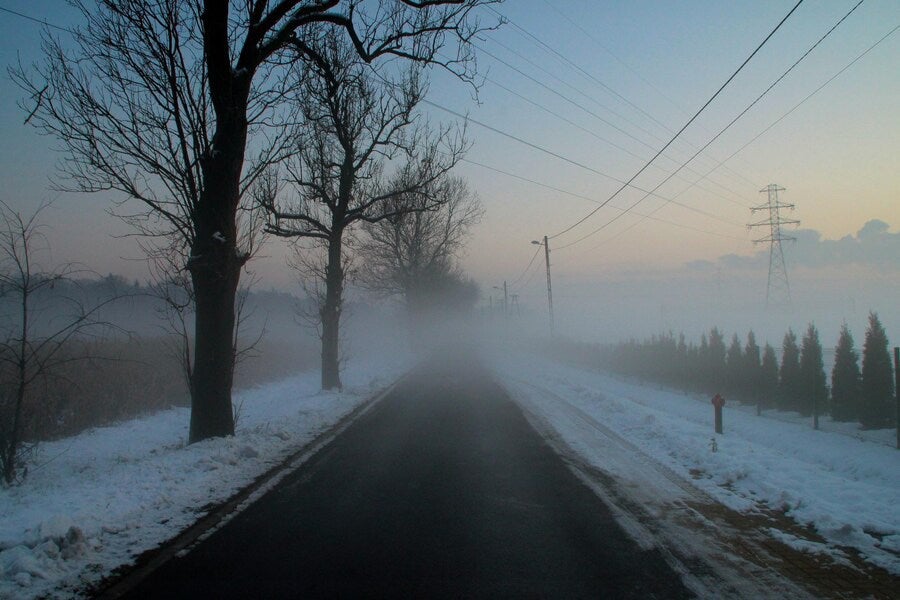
<point>596,135</point>
<point>728,126</point>
<point>685,126</point>
<point>595,201</point>
<point>531,262</point>
<point>553,51</point>
<point>803,101</point>
<point>36,20</point>
<point>549,152</point>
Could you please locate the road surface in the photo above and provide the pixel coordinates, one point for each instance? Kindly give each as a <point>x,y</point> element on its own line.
<point>443,490</point>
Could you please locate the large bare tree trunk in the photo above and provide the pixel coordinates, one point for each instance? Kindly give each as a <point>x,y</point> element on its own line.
<point>215,287</point>
<point>331,313</point>
<point>215,266</point>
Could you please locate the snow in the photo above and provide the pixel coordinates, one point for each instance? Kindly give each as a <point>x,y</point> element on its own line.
<point>843,482</point>
<point>95,501</point>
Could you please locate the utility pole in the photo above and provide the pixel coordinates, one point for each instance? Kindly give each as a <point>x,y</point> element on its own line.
<point>778,290</point>
<point>505,298</point>
<point>549,285</point>
<point>505,301</point>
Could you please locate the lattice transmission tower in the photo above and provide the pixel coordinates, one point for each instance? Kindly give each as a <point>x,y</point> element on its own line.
<point>778,290</point>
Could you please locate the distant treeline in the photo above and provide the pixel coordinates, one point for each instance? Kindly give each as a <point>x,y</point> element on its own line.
<point>130,363</point>
<point>139,308</point>
<point>748,373</point>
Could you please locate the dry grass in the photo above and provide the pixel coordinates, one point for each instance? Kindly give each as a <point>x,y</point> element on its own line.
<point>122,379</point>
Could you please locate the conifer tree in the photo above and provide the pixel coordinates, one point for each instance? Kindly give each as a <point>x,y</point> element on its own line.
<point>877,378</point>
<point>789,373</point>
<point>682,356</point>
<point>768,376</point>
<point>716,359</point>
<point>693,363</point>
<point>751,366</point>
<point>734,365</point>
<point>845,379</point>
<point>813,391</point>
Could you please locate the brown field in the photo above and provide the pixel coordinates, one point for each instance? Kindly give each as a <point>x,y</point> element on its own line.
<point>122,379</point>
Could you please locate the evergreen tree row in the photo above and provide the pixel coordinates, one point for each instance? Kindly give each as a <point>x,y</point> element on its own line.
<point>746,372</point>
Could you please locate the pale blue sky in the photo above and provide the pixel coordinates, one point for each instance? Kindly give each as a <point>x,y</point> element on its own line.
<point>837,155</point>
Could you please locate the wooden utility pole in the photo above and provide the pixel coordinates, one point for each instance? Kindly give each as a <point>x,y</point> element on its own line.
<point>549,285</point>
<point>505,301</point>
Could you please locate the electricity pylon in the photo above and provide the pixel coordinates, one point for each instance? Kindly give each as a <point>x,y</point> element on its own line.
<point>778,290</point>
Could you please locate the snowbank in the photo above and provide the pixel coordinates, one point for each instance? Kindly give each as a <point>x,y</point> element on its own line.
<point>95,501</point>
<point>847,486</point>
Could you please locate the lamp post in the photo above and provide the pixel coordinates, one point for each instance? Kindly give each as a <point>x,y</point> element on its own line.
<point>549,286</point>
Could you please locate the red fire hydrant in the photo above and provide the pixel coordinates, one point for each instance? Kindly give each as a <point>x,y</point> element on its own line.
<point>718,402</point>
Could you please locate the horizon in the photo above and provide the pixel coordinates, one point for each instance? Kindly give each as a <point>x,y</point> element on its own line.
<point>835,155</point>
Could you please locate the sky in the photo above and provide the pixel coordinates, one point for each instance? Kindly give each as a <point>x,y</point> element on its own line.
<point>615,81</point>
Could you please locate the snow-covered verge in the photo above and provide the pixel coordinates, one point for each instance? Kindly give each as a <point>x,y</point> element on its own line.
<point>845,486</point>
<point>95,501</point>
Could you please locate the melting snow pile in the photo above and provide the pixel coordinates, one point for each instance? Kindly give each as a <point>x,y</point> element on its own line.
<point>95,501</point>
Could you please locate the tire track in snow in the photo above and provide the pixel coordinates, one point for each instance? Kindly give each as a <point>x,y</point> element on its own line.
<point>658,507</point>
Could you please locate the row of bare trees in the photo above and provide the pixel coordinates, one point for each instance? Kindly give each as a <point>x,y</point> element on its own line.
<point>359,122</point>
<point>193,109</point>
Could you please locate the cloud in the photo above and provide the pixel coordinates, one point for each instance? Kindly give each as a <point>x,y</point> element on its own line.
<point>873,246</point>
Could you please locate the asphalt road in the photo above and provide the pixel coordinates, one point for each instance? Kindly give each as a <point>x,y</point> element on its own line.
<point>441,491</point>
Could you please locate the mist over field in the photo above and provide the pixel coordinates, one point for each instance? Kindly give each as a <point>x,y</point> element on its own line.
<point>831,282</point>
<point>449,298</point>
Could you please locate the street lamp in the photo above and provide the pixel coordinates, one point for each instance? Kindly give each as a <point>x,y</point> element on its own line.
<point>549,286</point>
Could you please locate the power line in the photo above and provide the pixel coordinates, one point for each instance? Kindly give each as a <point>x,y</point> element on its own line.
<point>553,6</point>
<point>685,126</point>
<point>803,101</point>
<point>589,97</point>
<point>531,262</point>
<point>552,51</point>
<point>566,159</point>
<point>611,143</point>
<point>516,138</point>
<point>598,230</point>
<point>566,98</point>
<point>530,277</point>
<point>781,118</point>
<point>36,20</point>
<point>733,121</point>
<point>595,201</point>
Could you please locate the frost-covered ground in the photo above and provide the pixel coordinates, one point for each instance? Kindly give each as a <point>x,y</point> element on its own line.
<point>843,482</point>
<point>95,501</point>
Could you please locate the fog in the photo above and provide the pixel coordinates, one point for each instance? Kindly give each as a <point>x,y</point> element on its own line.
<point>831,282</point>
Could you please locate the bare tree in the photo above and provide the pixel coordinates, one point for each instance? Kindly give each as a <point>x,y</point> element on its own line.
<point>32,343</point>
<point>180,104</point>
<point>415,254</point>
<point>361,121</point>
<point>172,285</point>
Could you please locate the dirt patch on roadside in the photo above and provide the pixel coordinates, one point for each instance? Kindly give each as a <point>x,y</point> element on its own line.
<point>825,571</point>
